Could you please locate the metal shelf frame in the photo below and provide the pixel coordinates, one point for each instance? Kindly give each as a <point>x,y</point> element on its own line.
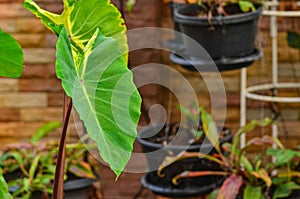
<point>249,92</point>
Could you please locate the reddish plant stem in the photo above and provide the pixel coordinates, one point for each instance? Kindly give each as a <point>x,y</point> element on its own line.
<point>58,187</point>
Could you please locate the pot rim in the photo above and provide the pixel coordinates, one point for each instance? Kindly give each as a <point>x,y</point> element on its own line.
<point>78,183</point>
<point>144,142</point>
<point>218,20</point>
<point>177,192</point>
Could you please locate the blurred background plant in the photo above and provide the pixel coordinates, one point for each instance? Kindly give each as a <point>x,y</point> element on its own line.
<point>30,167</point>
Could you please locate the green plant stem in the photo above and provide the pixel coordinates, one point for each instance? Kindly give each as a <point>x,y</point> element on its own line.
<point>58,187</point>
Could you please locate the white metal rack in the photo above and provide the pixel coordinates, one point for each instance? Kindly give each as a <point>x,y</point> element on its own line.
<point>249,92</point>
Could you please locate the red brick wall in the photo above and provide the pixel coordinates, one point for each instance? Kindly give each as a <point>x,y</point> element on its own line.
<point>36,97</point>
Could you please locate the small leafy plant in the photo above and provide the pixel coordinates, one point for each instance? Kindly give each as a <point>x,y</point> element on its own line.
<point>245,178</point>
<point>34,163</point>
<point>228,7</point>
<point>210,8</point>
<point>193,120</point>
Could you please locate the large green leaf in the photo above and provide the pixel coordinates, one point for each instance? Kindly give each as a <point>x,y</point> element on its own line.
<point>282,156</point>
<point>104,95</point>
<point>285,189</point>
<point>252,192</point>
<point>11,56</point>
<point>3,188</point>
<point>81,18</point>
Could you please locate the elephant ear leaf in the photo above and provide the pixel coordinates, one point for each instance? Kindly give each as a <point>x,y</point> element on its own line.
<point>103,94</point>
<point>81,18</point>
<point>92,64</point>
<point>11,56</point>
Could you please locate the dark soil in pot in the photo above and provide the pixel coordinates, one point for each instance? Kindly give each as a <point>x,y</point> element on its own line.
<point>295,195</point>
<point>13,175</point>
<point>160,141</point>
<point>221,36</point>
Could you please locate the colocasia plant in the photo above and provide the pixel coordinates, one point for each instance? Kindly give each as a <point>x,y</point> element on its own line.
<point>91,62</point>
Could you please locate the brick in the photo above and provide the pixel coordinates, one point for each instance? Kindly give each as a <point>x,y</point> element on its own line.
<point>41,114</point>
<point>50,40</point>
<point>39,71</point>
<point>11,132</point>
<point>150,90</point>
<point>30,40</point>
<point>39,56</point>
<point>288,55</point>
<point>10,1</point>
<point>288,114</point>
<point>52,7</point>
<point>232,85</point>
<point>8,25</point>
<point>18,130</point>
<point>48,1</point>
<point>286,69</point>
<point>55,98</point>
<point>36,84</point>
<point>23,100</point>
<point>13,10</point>
<point>9,114</point>
<point>24,25</point>
<point>9,85</point>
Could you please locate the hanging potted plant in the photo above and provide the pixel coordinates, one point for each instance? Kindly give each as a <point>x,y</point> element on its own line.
<point>160,141</point>
<point>225,29</point>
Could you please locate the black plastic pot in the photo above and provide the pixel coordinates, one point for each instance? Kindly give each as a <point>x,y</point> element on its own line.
<point>233,35</point>
<point>73,189</point>
<point>222,64</point>
<point>156,153</point>
<point>189,187</point>
<point>176,43</point>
